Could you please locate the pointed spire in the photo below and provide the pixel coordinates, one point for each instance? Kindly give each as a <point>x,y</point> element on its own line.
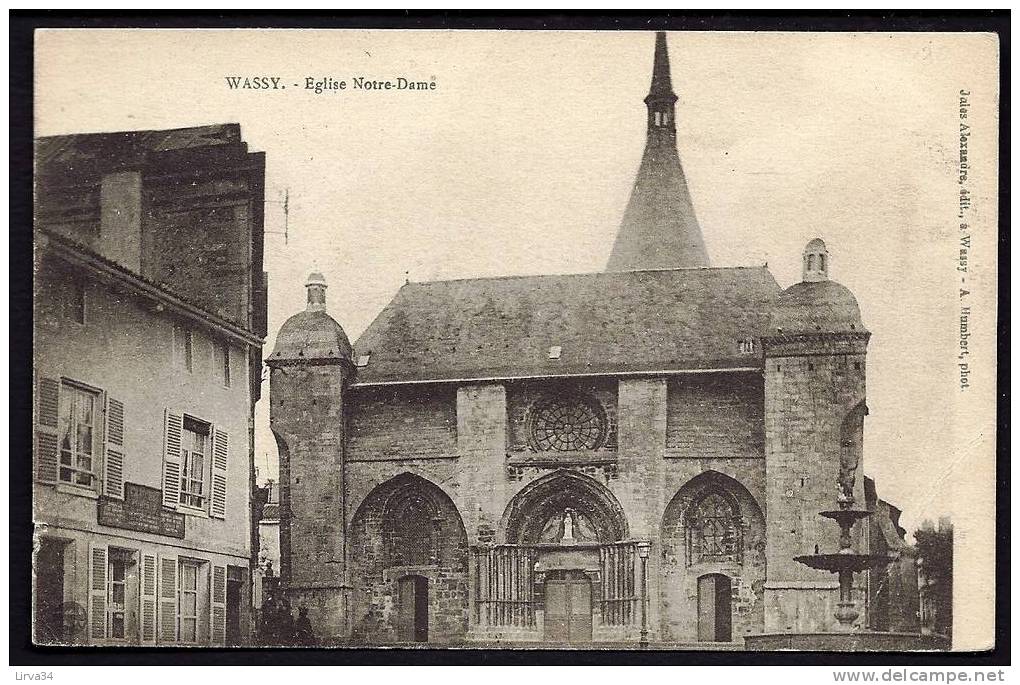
<point>659,228</point>
<point>662,85</point>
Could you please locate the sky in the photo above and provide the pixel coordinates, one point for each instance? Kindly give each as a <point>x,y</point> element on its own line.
<point>521,160</point>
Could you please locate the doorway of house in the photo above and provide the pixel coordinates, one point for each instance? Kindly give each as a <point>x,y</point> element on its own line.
<point>413,609</point>
<point>568,607</point>
<point>715,615</point>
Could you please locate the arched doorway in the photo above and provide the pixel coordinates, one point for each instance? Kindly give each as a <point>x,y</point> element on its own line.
<point>715,610</point>
<point>564,571</point>
<point>408,563</point>
<point>713,570</point>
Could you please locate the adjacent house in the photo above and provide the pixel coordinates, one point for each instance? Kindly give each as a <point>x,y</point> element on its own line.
<point>150,312</point>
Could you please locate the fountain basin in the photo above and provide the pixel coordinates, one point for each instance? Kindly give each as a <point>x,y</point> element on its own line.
<point>846,517</point>
<point>843,561</point>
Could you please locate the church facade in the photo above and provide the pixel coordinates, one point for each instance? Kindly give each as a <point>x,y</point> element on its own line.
<point>625,457</point>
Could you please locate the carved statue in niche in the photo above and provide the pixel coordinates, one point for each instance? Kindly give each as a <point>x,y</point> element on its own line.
<point>567,528</point>
<point>851,446</point>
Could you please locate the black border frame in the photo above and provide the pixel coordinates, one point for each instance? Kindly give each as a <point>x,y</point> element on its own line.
<point>22,26</point>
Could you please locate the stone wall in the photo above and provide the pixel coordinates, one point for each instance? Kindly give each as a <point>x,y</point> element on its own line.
<point>306,415</point>
<point>811,385</point>
<point>414,422</point>
<point>716,415</point>
<point>468,442</point>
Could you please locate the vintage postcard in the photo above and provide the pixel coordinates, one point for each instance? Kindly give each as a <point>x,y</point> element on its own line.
<point>515,339</point>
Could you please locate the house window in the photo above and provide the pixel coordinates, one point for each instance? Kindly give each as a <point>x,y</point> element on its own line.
<point>77,435</point>
<point>221,361</point>
<point>72,300</point>
<point>194,450</point>
<point>188,627</point>
<point>184,348</point>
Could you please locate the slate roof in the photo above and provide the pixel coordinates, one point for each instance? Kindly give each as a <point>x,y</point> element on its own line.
<point>310,335</point>
<point>89,148</point>
<point>816,306</point>
<point>627,322</point>
<point>659,229</point>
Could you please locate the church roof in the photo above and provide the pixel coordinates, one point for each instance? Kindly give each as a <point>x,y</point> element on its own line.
<point>601,323</point>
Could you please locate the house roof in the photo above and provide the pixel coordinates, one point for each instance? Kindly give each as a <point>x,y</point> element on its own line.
<point>603,323</point>
<point>69,250</point>
<point>82,148</point>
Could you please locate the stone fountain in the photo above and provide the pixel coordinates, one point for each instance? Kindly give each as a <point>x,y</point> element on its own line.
<point>845,563</point>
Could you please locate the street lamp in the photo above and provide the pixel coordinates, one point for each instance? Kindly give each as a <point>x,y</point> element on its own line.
<point>642,549</point>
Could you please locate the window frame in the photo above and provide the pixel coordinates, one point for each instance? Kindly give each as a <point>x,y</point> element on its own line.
<point>73,299</point>
<point>72,389</point>
<point>221,361</point>
<point>732,552</point>
<point>186,495</point>
<point>184,348</point>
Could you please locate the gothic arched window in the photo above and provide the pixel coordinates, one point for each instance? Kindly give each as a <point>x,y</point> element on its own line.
<point>411,530</point>
<point>713,528</point>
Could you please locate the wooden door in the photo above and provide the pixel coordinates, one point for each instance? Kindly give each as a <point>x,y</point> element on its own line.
<point>580,611</point>
<point>568,608</point>
<point>405,609</point>
<point>413,609</point>
<point>714,608</point>
<point>557,612</point>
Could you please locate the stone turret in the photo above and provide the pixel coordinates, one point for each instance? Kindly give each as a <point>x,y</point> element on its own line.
<point>815,348</point>
<point>659,228</point>
<point>310,370</point>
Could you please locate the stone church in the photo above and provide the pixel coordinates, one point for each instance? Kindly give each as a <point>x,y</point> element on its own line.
<point>630,456</point>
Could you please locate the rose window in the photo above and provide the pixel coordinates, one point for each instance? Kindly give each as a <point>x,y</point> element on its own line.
<point>565,424</point>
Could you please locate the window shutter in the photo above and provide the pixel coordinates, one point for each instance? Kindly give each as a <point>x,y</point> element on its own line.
<point>221,447</point>
<point>148,593</point>
<point>173,429</point>
<point>97,593</point>
<point>113,464</point>
<point>218,605</point>
<point>47,453</point>
<point>167,599</point>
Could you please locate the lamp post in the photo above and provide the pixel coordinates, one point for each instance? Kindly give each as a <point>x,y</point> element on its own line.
<point>642,548</point>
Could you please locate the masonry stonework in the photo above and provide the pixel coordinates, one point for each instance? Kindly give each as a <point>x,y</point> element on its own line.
<point>627,457</point>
